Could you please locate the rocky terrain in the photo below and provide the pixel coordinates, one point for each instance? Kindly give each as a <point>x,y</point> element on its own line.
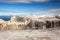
<point>53,34</point>
<point>25,22</point>
<point>32,27</point>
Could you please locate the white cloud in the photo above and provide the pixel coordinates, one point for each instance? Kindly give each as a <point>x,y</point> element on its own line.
<point>40,0</point>
<point>22,1</point>
<point>57,11</point>
<point>52,11</point>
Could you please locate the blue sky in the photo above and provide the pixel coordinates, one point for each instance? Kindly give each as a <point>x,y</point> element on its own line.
<point>28,7</point>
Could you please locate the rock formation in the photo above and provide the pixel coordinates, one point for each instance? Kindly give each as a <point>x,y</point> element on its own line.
<point>21,23</point>
<point>3,24</point>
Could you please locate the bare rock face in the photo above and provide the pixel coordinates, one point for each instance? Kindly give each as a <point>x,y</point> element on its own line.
<point>36,24</point>
<point>21,27</point>
<point>31,25</point>
<point>18,23</point>
<point>18,19</point>
<point>12,27</point>
<point>3,24</point>
<point>22,22</point>
<point>39,24</point>
<point>12,19</point>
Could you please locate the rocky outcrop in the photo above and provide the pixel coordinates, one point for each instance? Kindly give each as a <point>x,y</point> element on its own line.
<point>3,24</point>
<point>22,23</point>
<point>18,23</point>
<point>18,19</point>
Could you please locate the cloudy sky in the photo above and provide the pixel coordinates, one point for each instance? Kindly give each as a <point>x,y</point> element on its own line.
<point>12,7</point>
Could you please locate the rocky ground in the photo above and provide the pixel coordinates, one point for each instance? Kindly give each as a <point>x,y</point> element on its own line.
<point>48,34</point>
<point>10,30</point>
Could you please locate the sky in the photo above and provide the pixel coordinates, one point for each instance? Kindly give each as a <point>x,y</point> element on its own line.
<point>14,7</point>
